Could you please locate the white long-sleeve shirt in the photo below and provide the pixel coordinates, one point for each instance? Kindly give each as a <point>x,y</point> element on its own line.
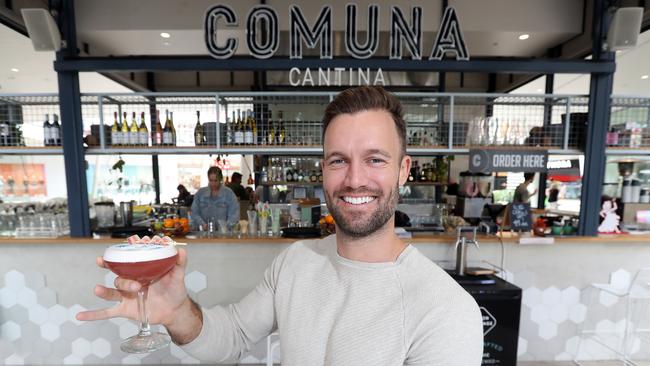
<point>330,310</point>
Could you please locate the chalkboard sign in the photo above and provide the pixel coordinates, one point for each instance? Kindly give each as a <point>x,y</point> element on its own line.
<point>520,217</point>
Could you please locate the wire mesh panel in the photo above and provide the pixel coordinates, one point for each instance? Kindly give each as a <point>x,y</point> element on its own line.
<point>158,120</point>
<point>511,120</point>
<point>272,119</point>
<point>425,120</point>
<point>629,123</point>
<point>30,121</point>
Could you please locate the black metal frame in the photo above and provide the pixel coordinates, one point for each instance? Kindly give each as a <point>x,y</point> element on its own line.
<point>68,64</point>
<point>198,63</point>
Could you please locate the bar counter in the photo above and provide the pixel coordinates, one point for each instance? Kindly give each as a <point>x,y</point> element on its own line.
<point>44,282</point>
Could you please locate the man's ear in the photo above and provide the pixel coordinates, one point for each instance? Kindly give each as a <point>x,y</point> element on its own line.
<point>404,169</point>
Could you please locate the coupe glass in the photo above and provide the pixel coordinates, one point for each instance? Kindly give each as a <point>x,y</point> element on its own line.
<point>145,263</point>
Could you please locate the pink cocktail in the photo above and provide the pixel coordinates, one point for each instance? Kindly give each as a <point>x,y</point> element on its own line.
<point>145,263</point>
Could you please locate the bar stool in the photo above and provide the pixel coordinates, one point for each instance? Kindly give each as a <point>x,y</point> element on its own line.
<point>636,297</point>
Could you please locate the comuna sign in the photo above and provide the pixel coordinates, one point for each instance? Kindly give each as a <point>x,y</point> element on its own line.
<point>263,18</point>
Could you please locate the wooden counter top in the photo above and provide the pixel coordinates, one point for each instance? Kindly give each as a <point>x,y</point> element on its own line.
<point>418,238</point>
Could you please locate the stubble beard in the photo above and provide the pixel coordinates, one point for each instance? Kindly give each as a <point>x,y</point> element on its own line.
<point>365,227</point>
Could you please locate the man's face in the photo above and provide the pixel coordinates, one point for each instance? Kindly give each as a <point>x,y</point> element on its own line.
<point>213,182</point>
<point>362,169</point>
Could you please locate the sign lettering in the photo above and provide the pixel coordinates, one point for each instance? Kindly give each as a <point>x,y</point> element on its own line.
<point>263,19</point>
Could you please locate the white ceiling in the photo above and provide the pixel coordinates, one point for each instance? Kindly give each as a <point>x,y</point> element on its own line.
<point>631,65</point>
<point>36,73</point>
<point>491,28</point>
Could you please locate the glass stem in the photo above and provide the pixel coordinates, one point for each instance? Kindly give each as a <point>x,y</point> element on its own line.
<point>145,331</point>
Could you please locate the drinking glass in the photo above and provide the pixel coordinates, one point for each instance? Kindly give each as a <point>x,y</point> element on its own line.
<point>252,222</point>
<point>264,225</point>
<point>275,221</point>
<point>223,227</point>
<point>145,263</point>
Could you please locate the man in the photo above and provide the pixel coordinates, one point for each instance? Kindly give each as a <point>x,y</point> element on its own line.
<point>522,195</point>
<point>237,188</point>
<point>214,202</point>
<point>360,297</point>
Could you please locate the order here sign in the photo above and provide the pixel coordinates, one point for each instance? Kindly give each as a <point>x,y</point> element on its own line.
<point>492,160</point>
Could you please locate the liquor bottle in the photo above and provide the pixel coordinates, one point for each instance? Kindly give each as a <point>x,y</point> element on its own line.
<point>167,131</point>
<point>248,132</point>
<point>288,176</point>
<point>143,132</point>
<point>198,130</point>
<point>239,130</point>
<point>46,131</point>
<point>55,132</point>
<point>134,134</point>
<point>171,126</point>
<point>157,131</point>
<point>116,134</point>
<point>125,131</point>
<point>313,177</point>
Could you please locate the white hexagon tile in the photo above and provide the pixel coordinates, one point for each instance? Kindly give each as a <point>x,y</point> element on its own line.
<point>32,318</point>
<point>196,281</point>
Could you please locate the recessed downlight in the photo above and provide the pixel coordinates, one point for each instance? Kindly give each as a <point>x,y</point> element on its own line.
<point>14,69</point>
<point>165,35</point>
<point>524,36</point>
<point>644,77</point>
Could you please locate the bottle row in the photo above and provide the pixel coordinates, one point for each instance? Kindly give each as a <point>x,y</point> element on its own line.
<point>51,131</point>
<point>138,135</point>
<point>298,170</point>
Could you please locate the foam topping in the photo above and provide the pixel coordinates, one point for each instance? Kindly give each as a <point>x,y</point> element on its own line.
<point>128,253</point>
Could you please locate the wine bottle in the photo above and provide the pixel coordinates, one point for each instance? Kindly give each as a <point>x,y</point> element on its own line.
<point>239,130</point>
<point>198,130</point>
<point>254,122</point>
<point>282,134</point>
<point>270,138</point>
<point>46,131</point>
<point>116,134</point>
<point>134,134</point>
<point>248,133</point>
<point>125,131</point>
<point>173,129</point>
<point>143,132</point>
<point>230,127</point>
<point>167,131</point>
<point>55,132</point>
<point>157,131</point>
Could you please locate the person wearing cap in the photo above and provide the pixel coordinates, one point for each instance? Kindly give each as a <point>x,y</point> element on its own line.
<point>214,202</point>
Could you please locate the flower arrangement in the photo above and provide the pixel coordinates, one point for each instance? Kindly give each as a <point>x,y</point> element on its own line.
<point>263,209</point>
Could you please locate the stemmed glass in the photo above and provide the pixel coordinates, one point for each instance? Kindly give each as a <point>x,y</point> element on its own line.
<point>145,263</point>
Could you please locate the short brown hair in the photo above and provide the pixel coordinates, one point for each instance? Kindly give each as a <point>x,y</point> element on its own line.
<point>366,98</point>
<point>215,170</point>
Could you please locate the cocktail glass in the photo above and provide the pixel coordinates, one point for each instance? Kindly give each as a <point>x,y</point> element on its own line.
<point>145,263</point>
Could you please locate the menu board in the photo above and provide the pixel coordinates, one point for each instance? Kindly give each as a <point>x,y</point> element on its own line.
<point>520,217</point>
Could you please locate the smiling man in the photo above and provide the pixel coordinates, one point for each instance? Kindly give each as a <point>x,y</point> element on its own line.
<point>360,297</point>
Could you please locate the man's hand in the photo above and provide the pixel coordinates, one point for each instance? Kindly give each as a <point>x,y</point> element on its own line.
<point>167,302</point>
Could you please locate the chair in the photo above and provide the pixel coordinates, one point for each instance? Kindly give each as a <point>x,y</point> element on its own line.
<point>631,337</point>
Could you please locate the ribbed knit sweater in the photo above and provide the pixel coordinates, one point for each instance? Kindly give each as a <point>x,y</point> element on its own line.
<point>330,310</point>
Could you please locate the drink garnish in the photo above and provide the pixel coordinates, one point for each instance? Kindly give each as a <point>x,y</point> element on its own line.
<point>165,240</point>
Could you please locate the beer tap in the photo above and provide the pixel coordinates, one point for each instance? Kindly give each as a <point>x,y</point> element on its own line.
<point>461,246</point>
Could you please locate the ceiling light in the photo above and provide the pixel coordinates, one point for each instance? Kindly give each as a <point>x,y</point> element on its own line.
<point>644,77</point>
<point>539,90</point>
<point>165,35</point>
<point>618,52</point>
<point>14,69</point>
<point>524,36</point>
